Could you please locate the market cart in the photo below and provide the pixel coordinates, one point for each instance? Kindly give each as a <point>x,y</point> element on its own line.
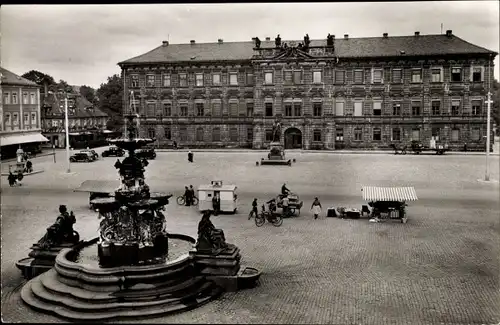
<point>388,202</point>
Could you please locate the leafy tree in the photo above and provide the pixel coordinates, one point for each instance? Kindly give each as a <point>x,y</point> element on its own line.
<point>39,77</point>
<point>110,101</point>
<point>495,107</point>
<point>88,93</point>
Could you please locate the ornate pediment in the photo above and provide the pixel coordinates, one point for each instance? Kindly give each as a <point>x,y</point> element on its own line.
<point>292,53</point>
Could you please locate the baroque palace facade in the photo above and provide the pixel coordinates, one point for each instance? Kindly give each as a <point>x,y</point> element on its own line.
<point>327,94</point>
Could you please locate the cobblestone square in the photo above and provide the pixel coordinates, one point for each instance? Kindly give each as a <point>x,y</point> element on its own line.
<point>442,267</point>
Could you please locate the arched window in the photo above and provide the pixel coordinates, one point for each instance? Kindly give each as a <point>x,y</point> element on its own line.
<point>199,134</point>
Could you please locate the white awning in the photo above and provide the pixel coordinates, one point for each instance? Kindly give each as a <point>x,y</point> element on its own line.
<point>372,193</point>
<point>107,131</point>
<point>10,139</point>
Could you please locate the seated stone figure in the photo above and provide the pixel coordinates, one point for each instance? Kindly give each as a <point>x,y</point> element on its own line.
<point>61,231</point>
<point>210,239</point>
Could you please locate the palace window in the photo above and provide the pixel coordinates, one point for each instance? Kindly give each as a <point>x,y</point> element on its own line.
<point>436,107</point>
<point>233,79</point>
<point>317,77</point>
<point>397,76</point>
<point>415,108</point>
<point>317,135</point>
<point>7,120</point>
<point>455,107</point>
<point>358,134</point>
<point>339,108</point>
<point>183,133</point>
<point>475,134</point>
<point>287,77</point>
<point>476,107</point>
<point>6,98</point>
<point>25,98</point>
<point>249,109</point>
<point>456,74</point>
<point>200,134</point>
<point>33,118</point>
<point>14,98</point>
<point>166,80</point>
<point>150,80</point>
<point>339,135</point>
<point>396,134</point>
<point>377,134</point>
<point>297,77</point>
<point>233,108</point>
<point>358,108</point>
<point>436,75</point>
<point>455,135</point>
<point>216,109</point>
<point>168,133</point>
<point>268,78</point>
<point>199,79</point>
<point>134,81</point>
<point>359,77</point>
<point>416,75</point>
<point>435,132</point>
<point>200,109</point>
<point>32,98</point>
<point>377,76</point>
<point>167,109</point>
<point>26,118</point>
<point>288,109</point>
<point>269,135</point>
<point>415,134</point>
<point>250,80</point>
<point>151,133</point>
<point>183,110</point>
<point>216,79</point>
<point>233,134</point>
<point>250,134</point>
<point>317,109</point>
<point>477,75</point>
<point>15,119</point>
<point>340,77</point>
<point>150,109</point>
<point>183,80</point>
<point>297,109</point>
<point>269,109</point>
<point>377,108</point>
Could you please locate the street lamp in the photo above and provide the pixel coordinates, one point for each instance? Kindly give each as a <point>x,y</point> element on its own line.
<point>488,122</point>
<point>66,127</point>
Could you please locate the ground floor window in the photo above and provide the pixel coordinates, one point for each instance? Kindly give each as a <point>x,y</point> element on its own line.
<point>250,134</point>
<point>435,133</point>
<point>249,109</point>
<point>415,134</point>
<point>269,109</point>
<point>455,134</point>
<point>216,134</point>
<point>233,134</point>
<point>358,134</point>
<point>317,135</point>
<point>475,134</point>
<point>199,134</point>
<point>396,134</point>
<point>377,134</point>
<point>151,133</point>
<point>168,133</point>
<point>339,135</point>
<point>183,133</point>
<point>269,135</point>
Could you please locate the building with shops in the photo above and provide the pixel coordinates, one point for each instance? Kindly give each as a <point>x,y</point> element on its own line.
<point>327,94</point>
<point>87,123</point>
<point>20,124</point>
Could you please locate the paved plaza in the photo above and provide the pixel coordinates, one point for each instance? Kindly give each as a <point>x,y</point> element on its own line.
<point>442,267</point>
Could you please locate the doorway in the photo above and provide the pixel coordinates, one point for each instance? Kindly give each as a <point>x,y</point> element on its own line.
<point>293,138</point>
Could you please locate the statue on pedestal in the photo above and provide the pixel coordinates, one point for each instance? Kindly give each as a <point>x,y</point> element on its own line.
<point>210,239</point>
<point>329,40</point>
<point>257,42</point>
<point>276,131</point>
<point>61,231</point>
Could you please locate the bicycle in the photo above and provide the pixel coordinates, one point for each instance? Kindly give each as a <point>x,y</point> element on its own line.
<point>181,200</point>
<point>275,219</point>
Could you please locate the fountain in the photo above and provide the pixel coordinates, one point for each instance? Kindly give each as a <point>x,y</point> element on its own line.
<point>135,268</point>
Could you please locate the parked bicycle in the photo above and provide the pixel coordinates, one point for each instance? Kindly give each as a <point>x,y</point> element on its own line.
<point>273,218</point>
<point>181,200</point>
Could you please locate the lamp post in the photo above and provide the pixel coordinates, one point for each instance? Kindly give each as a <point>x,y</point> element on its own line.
<point>488,131</point>
<point>67,131</point>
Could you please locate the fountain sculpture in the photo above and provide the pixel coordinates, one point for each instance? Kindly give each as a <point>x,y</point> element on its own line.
<point>135,268</point>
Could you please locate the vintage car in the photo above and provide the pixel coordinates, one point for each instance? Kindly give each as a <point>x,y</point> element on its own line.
<point>148,153</point>
<point>91,152</point>
<point>113,151</point>
<point>81,156</point>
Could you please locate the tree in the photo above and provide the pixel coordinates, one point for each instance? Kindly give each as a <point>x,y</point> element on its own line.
<point>88,93</point>
<point>41,79</point>
<point>495,107</point>
<point>110,101</point>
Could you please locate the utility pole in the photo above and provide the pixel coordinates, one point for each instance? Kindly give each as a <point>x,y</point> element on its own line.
<point>67,131</point>
<point>488,122</point>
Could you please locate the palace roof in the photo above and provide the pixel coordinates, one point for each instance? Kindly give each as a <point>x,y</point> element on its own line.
<point>10,78</point>
<point>366,47</point>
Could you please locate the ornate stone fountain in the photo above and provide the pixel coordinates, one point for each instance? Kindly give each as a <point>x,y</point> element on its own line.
<point>135,268</point>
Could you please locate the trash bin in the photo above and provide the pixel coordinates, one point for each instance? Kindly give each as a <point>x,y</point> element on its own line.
<point>331,212</point>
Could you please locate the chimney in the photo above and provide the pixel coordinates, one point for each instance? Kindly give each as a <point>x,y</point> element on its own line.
<point>268,38</point>
<point>417,33</point>
<point>165,43</point>
<point>386,35</point>
<point>220,41</point>
<point>449,32</point>
<point>346,36</point>
<point>192,42</point>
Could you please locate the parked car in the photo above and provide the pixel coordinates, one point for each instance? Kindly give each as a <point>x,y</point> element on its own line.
<point>81,156</point>
<point>148,153</point>
<point>91,152</point>
<point>113,151</point>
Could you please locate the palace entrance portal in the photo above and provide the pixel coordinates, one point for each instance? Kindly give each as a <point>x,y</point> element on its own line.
<point>293,138</point>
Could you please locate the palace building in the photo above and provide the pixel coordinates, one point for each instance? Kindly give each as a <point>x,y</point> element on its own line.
<point>327,94</point>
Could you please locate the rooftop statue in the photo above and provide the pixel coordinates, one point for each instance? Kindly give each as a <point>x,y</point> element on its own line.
<point>278,41</point>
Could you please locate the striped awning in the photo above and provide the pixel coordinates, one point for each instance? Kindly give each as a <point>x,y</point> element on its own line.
<point>373,193</point>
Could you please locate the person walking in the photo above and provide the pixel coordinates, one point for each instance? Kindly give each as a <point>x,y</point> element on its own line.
<point>316,208</point>
<point>187,196</point>
<point>254,211</point>
<point>216,204</point>
<point>190,156</point>
<point>191,190</point>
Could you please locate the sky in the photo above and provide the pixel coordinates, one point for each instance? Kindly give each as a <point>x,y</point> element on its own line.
<point>82,44</point>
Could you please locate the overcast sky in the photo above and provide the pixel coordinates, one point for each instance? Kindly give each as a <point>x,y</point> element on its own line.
<point>82,44</point>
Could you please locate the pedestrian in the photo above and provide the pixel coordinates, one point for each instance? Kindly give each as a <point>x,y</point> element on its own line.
<point>187,196</point>
<point>284,204</point>
<point>29,166</point>
<point>316,208</point>
<point>175,144</point>
<point>191,190</point>
<point>190,156</point>
<point>12,179</point>
<point>254,209</point>
<point>216,204</point>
